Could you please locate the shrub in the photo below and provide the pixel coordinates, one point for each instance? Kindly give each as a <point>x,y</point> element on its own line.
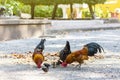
<point>42,11</point>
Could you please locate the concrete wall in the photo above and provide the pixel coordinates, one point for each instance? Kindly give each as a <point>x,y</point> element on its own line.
<point>19,29</point>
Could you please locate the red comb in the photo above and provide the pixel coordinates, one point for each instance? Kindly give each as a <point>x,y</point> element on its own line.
<point>39,65</point>
<point>64,64</point>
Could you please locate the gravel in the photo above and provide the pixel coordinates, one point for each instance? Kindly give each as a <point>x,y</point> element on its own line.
<point>107,68</point>
<point>108,39</point>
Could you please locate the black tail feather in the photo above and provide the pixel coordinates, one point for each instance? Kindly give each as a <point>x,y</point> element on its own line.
<point>65,51</point>
<point>93,48</point>
<point>41,44</point>
<point>67,46</point>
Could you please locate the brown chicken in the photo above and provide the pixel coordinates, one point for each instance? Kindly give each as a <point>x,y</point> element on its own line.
<point>79,56</point>
<point>37,56</point>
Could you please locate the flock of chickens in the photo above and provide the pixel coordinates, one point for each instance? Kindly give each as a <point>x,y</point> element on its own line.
<point>66,56</point>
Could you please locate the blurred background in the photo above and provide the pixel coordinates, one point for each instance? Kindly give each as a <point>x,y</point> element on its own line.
<point>61,9</point>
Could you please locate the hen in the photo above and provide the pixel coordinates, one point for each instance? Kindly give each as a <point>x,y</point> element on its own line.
<point>37,56</point>
<point>64,53</point>
<point>79,56</point>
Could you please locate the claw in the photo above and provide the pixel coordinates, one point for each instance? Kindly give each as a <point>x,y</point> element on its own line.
<point>78,66</point>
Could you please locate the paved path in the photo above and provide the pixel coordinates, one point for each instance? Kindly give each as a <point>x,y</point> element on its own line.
<point>58,25</point>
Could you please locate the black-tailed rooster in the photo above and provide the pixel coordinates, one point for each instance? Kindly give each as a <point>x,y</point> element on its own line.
<point>79,56</point>
<point>93,48</point>
<point>37,56</point>
<point>64,53</point>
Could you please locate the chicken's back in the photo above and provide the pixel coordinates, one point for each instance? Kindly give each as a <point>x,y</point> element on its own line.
<point>76,56</point>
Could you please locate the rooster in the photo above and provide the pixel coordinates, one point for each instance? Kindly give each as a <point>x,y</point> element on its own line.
<point>94,48</point>
<point>64,53</point>
<point>76,56</point>
<point>37,56</point>
<point>79,56</point>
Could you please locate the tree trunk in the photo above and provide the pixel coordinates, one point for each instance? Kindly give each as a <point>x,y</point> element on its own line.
<point>71,11</point>
<point>54,11</point>
<point>91,11</point>
<point>3,2</point>
<point>32,11</point>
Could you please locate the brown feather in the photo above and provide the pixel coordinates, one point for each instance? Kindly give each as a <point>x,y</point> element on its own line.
<point>38,58</point>
<point>77,56</point>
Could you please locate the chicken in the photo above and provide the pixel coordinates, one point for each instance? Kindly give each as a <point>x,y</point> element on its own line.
<point>64,53</point>
<point>46,67</point>
<point>41,46</point>
<point>93,48</point>
<point>79,56</point>
<point>37,56</point>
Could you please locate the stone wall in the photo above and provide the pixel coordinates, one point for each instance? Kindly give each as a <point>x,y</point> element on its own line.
<point>20,29</point>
